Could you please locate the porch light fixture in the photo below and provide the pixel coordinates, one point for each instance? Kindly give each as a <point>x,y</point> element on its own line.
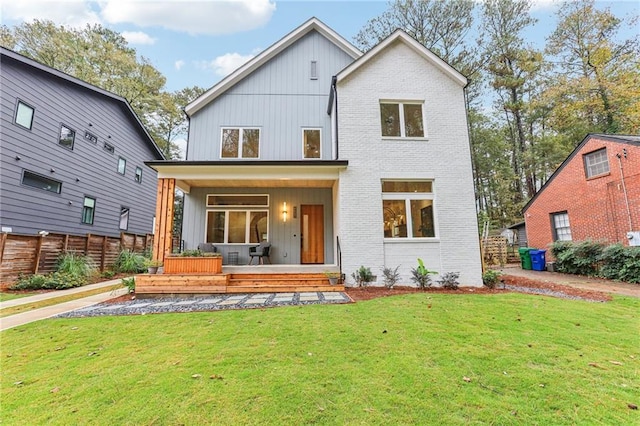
<point>284,212</point>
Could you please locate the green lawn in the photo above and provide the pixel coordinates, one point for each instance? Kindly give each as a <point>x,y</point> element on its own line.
<point>398,360</point>
<point>10,296</point>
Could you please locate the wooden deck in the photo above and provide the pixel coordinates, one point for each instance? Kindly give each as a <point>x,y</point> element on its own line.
<point>233,283</point>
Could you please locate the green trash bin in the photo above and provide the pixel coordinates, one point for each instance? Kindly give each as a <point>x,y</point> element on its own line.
<point>525,259</point>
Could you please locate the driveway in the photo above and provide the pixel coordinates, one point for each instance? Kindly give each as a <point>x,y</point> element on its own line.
<point>577,281</point>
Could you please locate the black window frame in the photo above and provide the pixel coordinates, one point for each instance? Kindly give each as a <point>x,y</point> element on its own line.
<point>109,148</point>
<point>138,176</point>
<point>93,210</point>
<point>15,114</point>
<point>90,137</point>
<point>124,169</point>
<point>73,137</point>
<point>25,171</point>
<point>128,215</point>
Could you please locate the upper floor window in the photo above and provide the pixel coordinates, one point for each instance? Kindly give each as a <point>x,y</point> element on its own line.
<point>109,148</point>
<point>311,143</point>
<point>407,209</point>
<point>124,218</point>
<point>41,182</point>
<point>88,210</point>
<point>313,71</point>
<point>67,137</point>
<point>596,163</point>
<point>240,142</point>
<point>122,165</point>
<point>401,119</point>
<point>24,115</point>
<point>138,177</point>
<point>561,228</point>
<point>90,137</point>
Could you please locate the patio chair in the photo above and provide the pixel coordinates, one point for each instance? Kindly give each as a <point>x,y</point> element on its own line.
<point>207,248</point>
<point>261,252</point>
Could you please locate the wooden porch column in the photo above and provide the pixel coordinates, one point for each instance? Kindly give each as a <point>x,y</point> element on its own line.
<point>164,218</point>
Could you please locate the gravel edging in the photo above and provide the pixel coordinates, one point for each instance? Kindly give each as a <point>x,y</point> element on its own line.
<point>547,292</point>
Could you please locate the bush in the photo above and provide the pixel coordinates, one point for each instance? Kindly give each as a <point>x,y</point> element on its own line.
<point>420,275</point>
<point>491,278</point>
<point>391,276</point>
<point>577,258</point>
<point>130,262</point>
<point>362,276</point>
<point>52,281</point>
<point>450,280</point>
<point>130,283</point>
<point>74,264</point>
<point>621,263</point>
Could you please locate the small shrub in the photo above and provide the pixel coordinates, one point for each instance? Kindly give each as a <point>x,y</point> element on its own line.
<point>29,282</point>
<point>391,276</point>
<point>130,262</point>
<point>130,283</point>
<point>362,276</point>
<point>577,258</point>
<point>52,281</point>
<point>491,278</point>
<point>420,275</point>
<point>621,263</point>
<point>74,264</point>
<point>108,274</point>
<point>450,280</point>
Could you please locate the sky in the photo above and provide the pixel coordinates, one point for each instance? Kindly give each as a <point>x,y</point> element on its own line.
<point>198,42</point>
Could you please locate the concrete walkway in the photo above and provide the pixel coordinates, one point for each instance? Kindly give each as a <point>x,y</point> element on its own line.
<point>577,281</point>
<point>60,308</point>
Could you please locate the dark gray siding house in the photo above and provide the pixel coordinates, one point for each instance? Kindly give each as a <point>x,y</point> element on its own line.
<point>71,155</point>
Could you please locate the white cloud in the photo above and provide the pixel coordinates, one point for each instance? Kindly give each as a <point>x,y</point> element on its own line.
<point>193,17</point>
<point>138,37</point>
<point>225,64</point>
<point>69,13</point>
<point>179,64</point>
<point>544,4</point>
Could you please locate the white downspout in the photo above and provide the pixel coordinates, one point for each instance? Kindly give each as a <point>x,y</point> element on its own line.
<point>624,190</point>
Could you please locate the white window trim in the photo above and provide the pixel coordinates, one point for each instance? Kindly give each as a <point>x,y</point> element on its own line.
<point>237,206</point>
<point>241,142</point>
<point>587,166</point>
<point>226,224</point>
<point>302,134</point>
<point>407,197</point>
<point>402,125</point>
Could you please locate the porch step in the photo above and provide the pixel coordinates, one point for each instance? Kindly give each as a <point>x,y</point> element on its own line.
<point>283,288</point>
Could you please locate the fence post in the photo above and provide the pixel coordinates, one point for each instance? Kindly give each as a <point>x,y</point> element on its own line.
<point>38,251</point>
<point>66,242</point>
<point>123,241</point>
<point>104,252</point>
<point>3,242</point>
<point>86,245</point>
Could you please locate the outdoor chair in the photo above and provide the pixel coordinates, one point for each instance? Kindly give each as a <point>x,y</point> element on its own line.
<point>207,248</point>
<point>261,252</point>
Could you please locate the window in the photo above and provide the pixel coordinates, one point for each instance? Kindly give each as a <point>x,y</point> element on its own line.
<point>67,136</point>
<point>240,143</point>
<point>109,148</point>
<point>401,119</point>
<point>124,218</point>
<point>40,182</point>
<point>596,163</point>
<point>138,177</point>
<point>314,70</point>
<point>24,115</point>
<point>560,226</point>
<point>122,165</point>
<point>407,209</point>
<point>90,137</point>
<point>232,222</point>
<point>88,210</point>
<point>311,143</point>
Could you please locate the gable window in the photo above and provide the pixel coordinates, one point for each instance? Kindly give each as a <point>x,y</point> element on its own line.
<point>237,219</point>
<point>560,226</point>
<point>67,137</point>
<point>240,143</point>
<point>90,137</point>
<point>124,218</point>
<point>88,210</point>
<point>314,70</point>
<point>40,182</point>
<point>311,143</point>
<point>408,209</point>
<point>122,165</point>
<point>24,115</point>
<point>138,177</point>
<point>401,119</point>
<point>596,163</point>
<point>109,148</point>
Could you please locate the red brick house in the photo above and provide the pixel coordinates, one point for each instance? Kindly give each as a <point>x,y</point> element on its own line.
<point>593,195</point>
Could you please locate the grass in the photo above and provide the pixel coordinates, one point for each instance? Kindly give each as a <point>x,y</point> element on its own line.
<point>53,300</point>
<point>10,296</point>
<point>400,360</point>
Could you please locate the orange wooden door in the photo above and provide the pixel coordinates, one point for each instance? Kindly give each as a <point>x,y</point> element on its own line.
<point>312,234</point>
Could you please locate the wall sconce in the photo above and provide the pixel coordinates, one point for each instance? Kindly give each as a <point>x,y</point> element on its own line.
<point>284,212</point>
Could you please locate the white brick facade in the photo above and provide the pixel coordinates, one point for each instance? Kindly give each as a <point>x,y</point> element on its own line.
<point>399,72</point>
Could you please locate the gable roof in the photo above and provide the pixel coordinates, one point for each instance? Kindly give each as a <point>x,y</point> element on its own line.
<point>401,36</point>
<point>77,82</point>
<point>624,139</point>
<point>313,24</point>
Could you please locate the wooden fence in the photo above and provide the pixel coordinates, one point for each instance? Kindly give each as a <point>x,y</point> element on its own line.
<point>32,254</point>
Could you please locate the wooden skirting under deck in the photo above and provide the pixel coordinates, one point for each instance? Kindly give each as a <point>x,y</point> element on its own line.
<point>232,283</point>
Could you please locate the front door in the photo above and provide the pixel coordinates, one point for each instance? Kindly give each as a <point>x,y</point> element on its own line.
<point>312,234</point>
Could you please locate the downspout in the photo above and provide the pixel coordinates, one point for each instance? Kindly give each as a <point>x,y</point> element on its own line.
<point>624,191</point>
<point>332,111</point>
<point>186,150</point>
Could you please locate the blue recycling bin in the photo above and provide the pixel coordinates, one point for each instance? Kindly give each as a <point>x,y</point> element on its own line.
<point>538,262</point>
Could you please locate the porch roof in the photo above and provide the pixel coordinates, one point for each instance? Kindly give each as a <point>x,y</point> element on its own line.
<point>254,174</point>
